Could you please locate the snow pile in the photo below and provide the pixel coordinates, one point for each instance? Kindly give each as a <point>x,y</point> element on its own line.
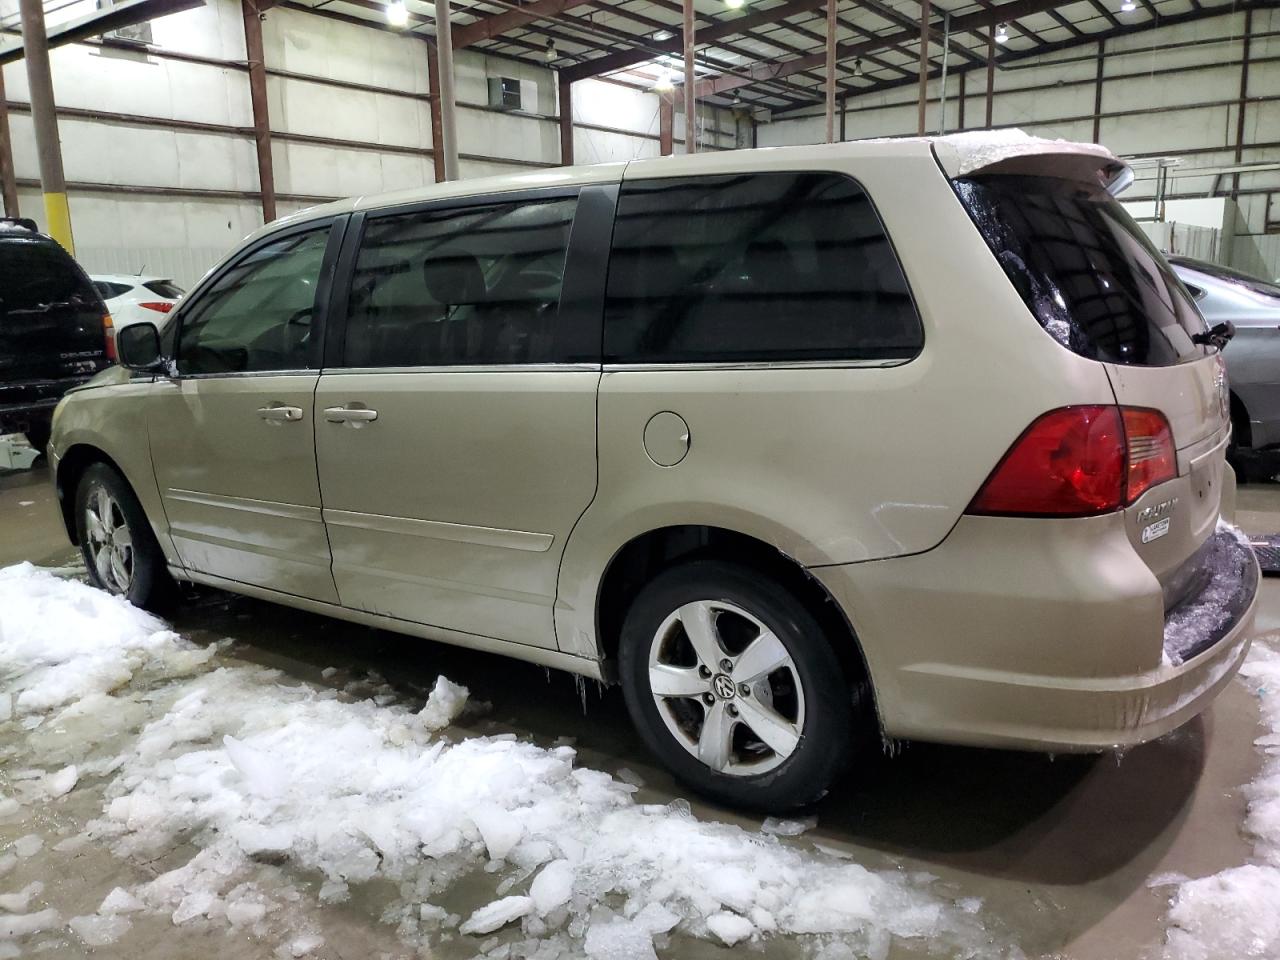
<point>62,641</point>
<point>255,769</point>
<point>277,783</point>
<point>1234,913</point>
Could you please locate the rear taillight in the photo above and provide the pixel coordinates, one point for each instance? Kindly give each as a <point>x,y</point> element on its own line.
<point>109,337</point>
<point>1080,462</point>
<point>159,306</point>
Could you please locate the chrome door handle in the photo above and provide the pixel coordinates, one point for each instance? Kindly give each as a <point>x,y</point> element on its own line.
<point>278,414</point>
<point>349,414</point>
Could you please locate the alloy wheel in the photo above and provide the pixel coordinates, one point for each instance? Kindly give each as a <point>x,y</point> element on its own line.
<point>726,688</point>
<point>110,541</point>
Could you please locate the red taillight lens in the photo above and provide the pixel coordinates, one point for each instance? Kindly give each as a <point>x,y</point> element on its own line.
<point>159,306</point>
<point>1080,462</point>
<point>109,337</point>
<point>1152,457</point>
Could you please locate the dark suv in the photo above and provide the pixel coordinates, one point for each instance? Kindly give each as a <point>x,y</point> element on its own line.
<point>55,332</point>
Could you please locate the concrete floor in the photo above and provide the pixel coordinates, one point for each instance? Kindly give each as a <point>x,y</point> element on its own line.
<point>1060,850</point>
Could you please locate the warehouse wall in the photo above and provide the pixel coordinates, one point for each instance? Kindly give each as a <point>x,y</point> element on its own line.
<point>159,153</point>
<point>1166,92</point>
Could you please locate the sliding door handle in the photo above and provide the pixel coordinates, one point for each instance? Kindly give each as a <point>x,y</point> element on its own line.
<point>280,414</point>
<point>350,414</point>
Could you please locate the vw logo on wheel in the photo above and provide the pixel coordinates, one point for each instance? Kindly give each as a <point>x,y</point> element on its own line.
<point>723,686</point>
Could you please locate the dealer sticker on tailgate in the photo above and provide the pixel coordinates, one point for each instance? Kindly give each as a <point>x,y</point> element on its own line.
<point>1155,530</point>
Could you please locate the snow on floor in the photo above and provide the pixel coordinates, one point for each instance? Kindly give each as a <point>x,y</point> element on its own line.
<point>1236,913</point>
<point>256,769</point>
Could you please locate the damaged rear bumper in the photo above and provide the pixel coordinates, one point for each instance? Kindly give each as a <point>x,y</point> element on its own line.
<point>1059,643</point>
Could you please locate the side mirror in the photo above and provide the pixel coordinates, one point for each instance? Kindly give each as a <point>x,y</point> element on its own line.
<point>138,346</point>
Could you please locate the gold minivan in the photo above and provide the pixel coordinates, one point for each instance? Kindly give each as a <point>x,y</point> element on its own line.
<point>805,447</point>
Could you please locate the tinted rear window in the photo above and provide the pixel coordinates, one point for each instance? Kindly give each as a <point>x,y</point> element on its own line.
<point>762,267</point>
<point>38,274</point>
<point>1084,268</point>
<point>164,288</point>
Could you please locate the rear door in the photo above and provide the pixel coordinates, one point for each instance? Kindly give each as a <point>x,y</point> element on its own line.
<point>456,424</point>
<point>1098,286</point>
<point>51,318</point>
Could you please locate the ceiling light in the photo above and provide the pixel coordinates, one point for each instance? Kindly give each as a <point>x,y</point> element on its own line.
<point>1002,33</point>
<point>857,67</point>
<point>1128,6</point>
<point>397,13</point>
<point>661,35</point>
<point>665,83</point>
<point>550,54</point>
<point>734,4</point>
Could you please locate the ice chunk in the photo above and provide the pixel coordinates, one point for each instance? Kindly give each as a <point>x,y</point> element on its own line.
<point>552,887</point>
<point>788,828</point>
<point>9,806</point>
<point>443,704</point>
<point>496,915</point>
<point>62,782</point>
<point>244,913</point>
<point>17,925</point>
<point>262,776</point>
<point>120,900</point>
<point>618,939</point>
<point>28,846</point>
<point>97,931</point>
<point>729,927</point>
<point>6,706</point>
<point>499,830</point>
<point>195,904</point>
<point>305,944</point>
<point>18,902</point>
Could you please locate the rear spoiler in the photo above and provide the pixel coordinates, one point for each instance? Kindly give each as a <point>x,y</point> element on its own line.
<point>1014,152</point>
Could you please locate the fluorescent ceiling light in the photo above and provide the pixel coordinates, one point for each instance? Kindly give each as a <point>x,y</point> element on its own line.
<point>397,13</point>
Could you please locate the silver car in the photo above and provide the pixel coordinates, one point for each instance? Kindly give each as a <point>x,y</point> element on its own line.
<point>1253,356</point>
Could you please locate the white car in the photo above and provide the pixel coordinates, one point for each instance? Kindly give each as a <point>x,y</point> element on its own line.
<point>131,298</point>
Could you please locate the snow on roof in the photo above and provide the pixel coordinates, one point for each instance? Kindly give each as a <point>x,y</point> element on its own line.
<point>964,153</point>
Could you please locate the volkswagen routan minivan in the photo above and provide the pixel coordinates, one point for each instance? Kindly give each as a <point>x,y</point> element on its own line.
<point>806,448</point>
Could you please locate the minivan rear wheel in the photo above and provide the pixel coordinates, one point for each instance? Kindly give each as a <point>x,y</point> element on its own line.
<point>733,684</point>
<point>119,548</point>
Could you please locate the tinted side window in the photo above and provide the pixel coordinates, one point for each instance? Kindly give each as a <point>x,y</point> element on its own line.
<point>258,314</point>
<point>109,290</point>
<point>164,288</point>
<point>764,267</point>
<point>467,285</point>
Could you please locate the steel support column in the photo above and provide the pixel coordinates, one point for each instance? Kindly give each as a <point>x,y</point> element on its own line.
<point>924,66</point>
<point>844,115</point>
<point>448,123</point>
<point>991,73</point>
<point>690,83</point>
<point>437,126</point>
<point>1244,93</point>
<point>53,183</point>
<point>566,121</point>
<point>1097,92</point>
<point>258,101</point>
<point>666,124</point>
<point>8,180</point>
<point>960,112</point>
<point>831,70</point>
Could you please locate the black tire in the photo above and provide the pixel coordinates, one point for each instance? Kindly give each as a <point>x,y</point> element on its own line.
<point>149,584</point>
<point>799,777</point>
<point>38,436</point>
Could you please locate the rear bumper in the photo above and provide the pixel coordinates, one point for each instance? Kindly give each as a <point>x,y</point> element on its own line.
<point>22,404</point>
<point>1047,636</point>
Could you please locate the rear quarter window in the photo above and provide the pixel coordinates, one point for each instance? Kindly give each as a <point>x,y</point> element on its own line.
<point>748,268</point>
<point>164,288</point>
<point>1084,268</point>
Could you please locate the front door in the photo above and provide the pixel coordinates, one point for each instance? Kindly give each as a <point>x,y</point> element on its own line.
<point>232,435</point>
<point>456,437</point>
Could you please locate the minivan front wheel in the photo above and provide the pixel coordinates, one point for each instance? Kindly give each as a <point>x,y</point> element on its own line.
<point>119,548</point>
<point>733,684</point>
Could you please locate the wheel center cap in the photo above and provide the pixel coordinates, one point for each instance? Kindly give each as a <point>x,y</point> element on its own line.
<point>724,686</point>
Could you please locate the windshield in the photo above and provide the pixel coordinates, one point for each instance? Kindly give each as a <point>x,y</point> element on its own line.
<point>1248,281</point>
<point>1084,268</point>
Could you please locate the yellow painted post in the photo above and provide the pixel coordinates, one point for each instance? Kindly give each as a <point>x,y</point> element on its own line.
<point>35,50</point>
